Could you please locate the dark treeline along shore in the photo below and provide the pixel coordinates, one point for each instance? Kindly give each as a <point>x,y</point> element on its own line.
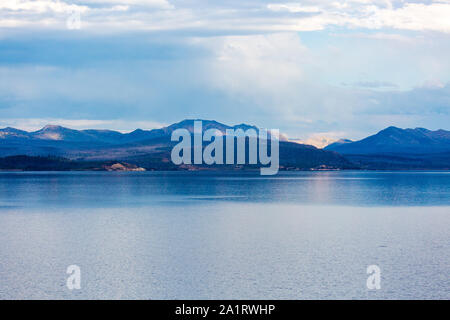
<point>55,148</point>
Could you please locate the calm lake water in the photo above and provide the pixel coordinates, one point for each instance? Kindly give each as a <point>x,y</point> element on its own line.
<point>209,235</point>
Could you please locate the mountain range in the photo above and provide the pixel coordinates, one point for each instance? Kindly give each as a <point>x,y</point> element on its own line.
<point>52,133</point>
<point>396,148</point>
<point>396,140</point>
<point>391,148</point>
<point>149,149</point>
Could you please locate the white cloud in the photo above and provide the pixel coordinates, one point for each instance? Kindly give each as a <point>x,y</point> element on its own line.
<point>152,3</point>
<point>162,4</point>
<point>412,16</point>
<point>261,67</point>
<point>117,15</point>
<point>321,139</point>
<point>372,14</point>
<point>292,7</point>
<point>40,6</point>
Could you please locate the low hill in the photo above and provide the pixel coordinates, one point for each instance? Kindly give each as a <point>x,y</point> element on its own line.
<point>27,163</point>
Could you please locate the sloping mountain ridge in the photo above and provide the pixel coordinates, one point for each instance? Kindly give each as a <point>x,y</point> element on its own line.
<point>393,140</point>
<point>399,149</point>
<point>340,142</point>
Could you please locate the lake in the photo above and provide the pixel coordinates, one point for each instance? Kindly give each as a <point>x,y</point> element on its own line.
<point>225,235</point>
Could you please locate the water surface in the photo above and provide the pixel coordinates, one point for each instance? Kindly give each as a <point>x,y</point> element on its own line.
<point>209,235</point>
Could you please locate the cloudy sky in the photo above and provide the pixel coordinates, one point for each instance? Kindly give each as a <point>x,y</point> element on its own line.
<point>313,69</point>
